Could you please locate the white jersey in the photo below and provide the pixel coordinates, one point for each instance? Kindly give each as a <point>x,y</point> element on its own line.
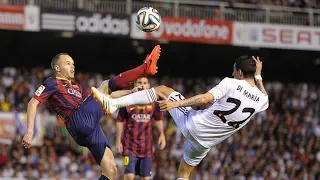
<point>236,101</point>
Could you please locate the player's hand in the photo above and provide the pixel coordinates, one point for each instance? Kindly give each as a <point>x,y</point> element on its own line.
<point>162,141</point>
<point>119,147</point>
<point>136,89</point>
<point>167,105</point>
<point>258,65</point>
<point>27,139</point>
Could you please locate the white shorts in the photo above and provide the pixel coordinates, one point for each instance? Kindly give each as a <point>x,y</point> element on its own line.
<point>193,152</point>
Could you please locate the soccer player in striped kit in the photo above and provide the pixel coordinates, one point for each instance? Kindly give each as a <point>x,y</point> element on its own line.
<point>136,142</point>
<point>79,110</point>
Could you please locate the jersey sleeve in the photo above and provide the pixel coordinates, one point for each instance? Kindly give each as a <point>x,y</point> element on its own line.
<point>158,115</point>
<point>122,115</point>
<point>48,88</point>
<point>220,90</point>
<point>265,103</point>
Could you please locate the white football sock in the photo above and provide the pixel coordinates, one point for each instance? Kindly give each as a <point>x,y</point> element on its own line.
<point>143,97</point>
<point>182,179</point>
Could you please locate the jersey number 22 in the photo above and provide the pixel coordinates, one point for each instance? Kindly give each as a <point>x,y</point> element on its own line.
<point>237,102</point>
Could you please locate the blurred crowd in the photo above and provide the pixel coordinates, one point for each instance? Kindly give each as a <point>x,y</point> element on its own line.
<point>280,143</point>
<point>291,3</point>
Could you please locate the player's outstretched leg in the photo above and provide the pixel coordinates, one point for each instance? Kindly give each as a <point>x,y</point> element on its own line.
<point>123,80</point>
<point>108,166</point>
<point>146,96</point>
<point>130,176</point>
<point>184,170</point>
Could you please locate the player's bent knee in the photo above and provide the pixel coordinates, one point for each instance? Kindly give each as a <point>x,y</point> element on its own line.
<point>129,176</point>
<point>110,170</point>
<point>108,165</point>
<point>146,178</point>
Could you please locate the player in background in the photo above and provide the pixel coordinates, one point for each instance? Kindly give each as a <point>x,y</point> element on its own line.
<point>136,143</point>
<point>80,112</point>
<point>236,100</point>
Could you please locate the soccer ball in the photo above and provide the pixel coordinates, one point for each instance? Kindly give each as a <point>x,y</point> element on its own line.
<point>148,19</point>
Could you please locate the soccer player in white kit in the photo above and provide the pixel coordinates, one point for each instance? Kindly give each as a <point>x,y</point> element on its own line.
<point>235,101</point>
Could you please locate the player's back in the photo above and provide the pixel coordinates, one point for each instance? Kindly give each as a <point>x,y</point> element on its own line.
<point>236,101</point>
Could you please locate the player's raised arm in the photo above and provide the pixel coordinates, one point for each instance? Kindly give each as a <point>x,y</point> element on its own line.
<point>258,75</point>
<point>197,100</point>
<point>40,96</point>
<point>31,114</point>
<point>193,101</point>
<point>215,93</point>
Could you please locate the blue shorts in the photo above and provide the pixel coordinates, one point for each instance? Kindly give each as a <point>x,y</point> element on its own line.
<point>85,129</point>
<point>138,166</point>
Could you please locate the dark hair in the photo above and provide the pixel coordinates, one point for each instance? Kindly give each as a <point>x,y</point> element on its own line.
<point>247,65</point>
<point>144,76</point>
<point>55,60</point>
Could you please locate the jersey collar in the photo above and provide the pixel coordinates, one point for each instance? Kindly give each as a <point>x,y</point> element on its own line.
<point>60,78</point>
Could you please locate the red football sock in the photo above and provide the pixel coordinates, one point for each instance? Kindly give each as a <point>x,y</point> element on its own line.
<point>124,79</point>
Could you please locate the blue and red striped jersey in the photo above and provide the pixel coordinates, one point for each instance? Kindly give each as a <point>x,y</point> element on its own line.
<point>137,136</point>
<point>61,95</point>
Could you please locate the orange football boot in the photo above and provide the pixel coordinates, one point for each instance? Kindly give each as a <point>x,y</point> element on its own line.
<point>152,60</point>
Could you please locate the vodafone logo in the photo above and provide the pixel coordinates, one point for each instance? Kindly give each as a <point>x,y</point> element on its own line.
<point>99,24</point>
<point>196,30</point>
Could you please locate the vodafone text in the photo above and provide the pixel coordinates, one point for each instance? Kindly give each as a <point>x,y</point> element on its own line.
<point>195,30</point>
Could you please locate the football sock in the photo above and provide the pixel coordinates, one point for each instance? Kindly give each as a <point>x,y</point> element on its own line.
<point>182,179</point>
<point>143,97</point>
<point>124,79</point>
